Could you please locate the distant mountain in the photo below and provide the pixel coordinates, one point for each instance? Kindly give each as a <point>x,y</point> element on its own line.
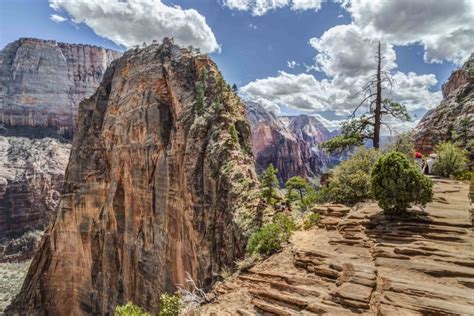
<point>453,119</point>
<point>290,143</point>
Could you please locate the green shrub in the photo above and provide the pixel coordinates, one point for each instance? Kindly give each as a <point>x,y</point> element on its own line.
<point>170,304</point>
<point>464,175</point>
<point>403,143</point>
<point>451,160</point>
<point>350,181</point>
<point>130,310</point>
<point>269,238</point>
<point>310,220</point>
<point>396,183</point>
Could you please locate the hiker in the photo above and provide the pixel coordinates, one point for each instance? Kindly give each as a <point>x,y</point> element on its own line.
<point>419,160</point>
<point>430,163</point>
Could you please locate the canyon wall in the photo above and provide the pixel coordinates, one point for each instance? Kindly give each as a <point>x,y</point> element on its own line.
<point>453,119</point>
<point>43,81</point>
<point>161,182</point>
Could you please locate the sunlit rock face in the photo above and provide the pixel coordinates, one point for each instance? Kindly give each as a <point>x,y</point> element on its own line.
<point>447,122</point>
<point>43,81</point>
<point>161,182</point>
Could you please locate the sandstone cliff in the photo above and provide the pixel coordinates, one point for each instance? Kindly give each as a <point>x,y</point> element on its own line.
<point>453,119</point>
<point>31,177</point>
<point>42,82</point>
<point>361,262</point>
<point>161,182</point>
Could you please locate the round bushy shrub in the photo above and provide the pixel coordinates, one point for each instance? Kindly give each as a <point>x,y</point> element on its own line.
<point>350,181</point>
<point>396,183</point>
<point>130,310</point>
<point>451,160</point>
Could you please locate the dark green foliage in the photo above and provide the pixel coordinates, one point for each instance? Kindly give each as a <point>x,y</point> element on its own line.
<point>234,134</point>
<point>451,160</point>
<point>130,310</point>
<point>298,184</point>
<point>234,87</point>
<point>311,220</point>
<point>464,131</point>
<point>396,183</point>
<point>269,183</point>
<point>170,305</point>
<point>269,238</point>
<point>350,181</point>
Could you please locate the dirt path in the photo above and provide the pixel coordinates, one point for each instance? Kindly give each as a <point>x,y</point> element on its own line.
<point>359,261</point>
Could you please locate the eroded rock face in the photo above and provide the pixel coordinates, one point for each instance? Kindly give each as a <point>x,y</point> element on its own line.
<point>290,143</point>
<point>160,183</point>
<point>360,261</point>
<point>42,82</point>
<point>31,178</point>
<point>447,122</point>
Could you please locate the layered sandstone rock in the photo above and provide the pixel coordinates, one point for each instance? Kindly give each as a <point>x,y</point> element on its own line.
<point>359,261</point>
<point>42,82</point>
<point>160,183</point>
<point>31,177</point>
<point>453,119</point>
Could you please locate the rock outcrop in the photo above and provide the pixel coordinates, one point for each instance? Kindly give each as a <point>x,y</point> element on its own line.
<point>453,119</point>
<point>290,143</point>
<point>359,261</point>
<point>43,81</point>
<point>161,182</point>
<point>31,177</point>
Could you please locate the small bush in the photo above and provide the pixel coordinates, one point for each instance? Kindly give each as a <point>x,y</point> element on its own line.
<point>130,310</point>
<point>465,175</point>
<point>170,304</point>
<point>403,143</point>
<point>310,220</point>
<point>396,183</point>
<point>451,160</point>
<point>269,238</point>
<point>350,181</point>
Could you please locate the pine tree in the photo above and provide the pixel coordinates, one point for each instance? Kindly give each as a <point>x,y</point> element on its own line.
<point>269,183</point>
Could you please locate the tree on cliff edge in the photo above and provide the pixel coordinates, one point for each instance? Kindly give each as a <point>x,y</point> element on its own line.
<point>368,126</point>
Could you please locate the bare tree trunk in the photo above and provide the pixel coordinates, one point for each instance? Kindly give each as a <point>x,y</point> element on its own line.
<point>378,101</point>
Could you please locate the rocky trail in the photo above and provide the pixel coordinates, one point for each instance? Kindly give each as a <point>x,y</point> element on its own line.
<point>359,261</point>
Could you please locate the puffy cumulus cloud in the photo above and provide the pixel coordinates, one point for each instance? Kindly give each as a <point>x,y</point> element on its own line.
<point>345,52</point>
<point>261,7</point>
<point>131,22</point>
<point>445,28</point>
<point>329,124</point>
<point>57,18</point>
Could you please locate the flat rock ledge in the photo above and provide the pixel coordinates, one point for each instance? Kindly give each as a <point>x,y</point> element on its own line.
<point>361,261</point>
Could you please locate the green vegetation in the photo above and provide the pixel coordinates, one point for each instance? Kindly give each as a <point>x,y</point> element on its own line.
<point>302,192</point>
<point>299,184</point>
<point>269,184</point>
<point>170,304</point>
<point>234,135</point>
<point>269,238</point>
<point>130,310</point>
<point>350,181</point>
<point>200,90</point>
<point>310,220</point>
<point>396,183</point>
<point>403,143</point>
<point>451,160</point>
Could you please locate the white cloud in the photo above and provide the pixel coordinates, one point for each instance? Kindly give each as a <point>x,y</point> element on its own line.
<point>343,51</point>
<point>329,124</point>
<point>57,18</point>
<point>131,22</point>
<point>292,64</point>
<point>445,28</point>
<point>261,7</point>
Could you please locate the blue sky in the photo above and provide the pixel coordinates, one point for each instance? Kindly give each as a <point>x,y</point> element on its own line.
<point>255,48</point>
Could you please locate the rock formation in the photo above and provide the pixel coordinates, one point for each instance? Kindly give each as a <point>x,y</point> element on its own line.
<point>290,143</point>
<point>453,119</point>
<point>359,261</point>
<point>31,177</point>
<point>161,182</point>
<point>42,82</point>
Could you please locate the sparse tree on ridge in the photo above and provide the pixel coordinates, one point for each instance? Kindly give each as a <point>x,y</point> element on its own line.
<point>368,125</point>
<point>269,183</point>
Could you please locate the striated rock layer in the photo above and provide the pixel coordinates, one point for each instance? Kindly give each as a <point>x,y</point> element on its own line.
<point>359,261</point>
<point>160,183</point>
<point>31,178</point>
<point>43,81</point>
<point>453,119</point>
